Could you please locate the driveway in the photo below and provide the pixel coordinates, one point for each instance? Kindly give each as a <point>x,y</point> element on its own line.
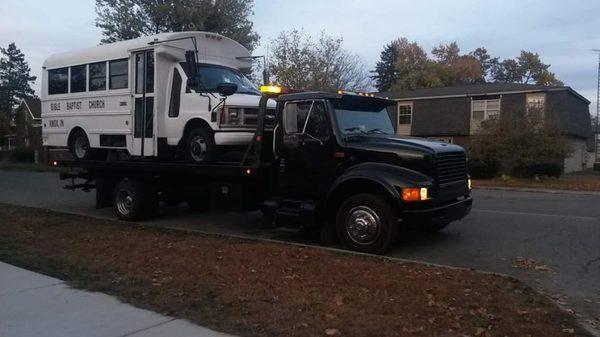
<point>551,241</point>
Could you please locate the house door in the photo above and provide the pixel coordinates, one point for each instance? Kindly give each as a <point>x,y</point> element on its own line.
<point>143,133</point>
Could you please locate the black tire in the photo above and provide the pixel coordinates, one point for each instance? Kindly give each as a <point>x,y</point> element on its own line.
<point>134,200</point>
<point>200,146</point>
<point>79,146</point>
<point>374,211</point>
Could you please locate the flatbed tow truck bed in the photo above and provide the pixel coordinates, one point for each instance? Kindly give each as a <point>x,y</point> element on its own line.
<point>222,169</point>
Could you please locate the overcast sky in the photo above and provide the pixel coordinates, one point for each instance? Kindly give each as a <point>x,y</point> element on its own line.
<point>562,32</point>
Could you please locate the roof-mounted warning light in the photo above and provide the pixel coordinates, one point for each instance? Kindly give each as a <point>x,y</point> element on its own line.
<point>273,89</point>
<point>365,94</point>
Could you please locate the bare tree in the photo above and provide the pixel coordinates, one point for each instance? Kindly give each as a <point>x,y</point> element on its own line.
<point>299,62</point>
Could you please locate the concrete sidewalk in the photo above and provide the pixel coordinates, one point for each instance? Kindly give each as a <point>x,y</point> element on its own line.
<point>32,304</point>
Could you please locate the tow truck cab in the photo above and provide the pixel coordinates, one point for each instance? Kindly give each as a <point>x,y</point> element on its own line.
<point>336,159</point>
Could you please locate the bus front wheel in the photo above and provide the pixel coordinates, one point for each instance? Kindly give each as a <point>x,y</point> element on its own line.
<point>200,146</point>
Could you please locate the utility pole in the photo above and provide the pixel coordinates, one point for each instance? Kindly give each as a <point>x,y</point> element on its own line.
<point>596,130</point>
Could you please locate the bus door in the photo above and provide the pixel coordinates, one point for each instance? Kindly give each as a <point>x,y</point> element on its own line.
<point>144,115</point>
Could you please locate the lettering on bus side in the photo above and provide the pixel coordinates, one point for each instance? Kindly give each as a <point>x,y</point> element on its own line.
<point>55,106</point>
<point>74,105</point>
<point>96,104</point>
<point>56,123</point>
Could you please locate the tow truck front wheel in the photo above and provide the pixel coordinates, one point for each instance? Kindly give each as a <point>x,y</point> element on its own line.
<point>367,223</point>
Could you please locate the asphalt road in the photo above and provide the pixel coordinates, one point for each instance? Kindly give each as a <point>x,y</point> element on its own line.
<point>550,241</point>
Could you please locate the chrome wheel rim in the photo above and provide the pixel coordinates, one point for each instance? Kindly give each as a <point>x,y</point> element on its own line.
<point>362,225</point>
<point>198,148</point>
<point>124,202</point>
<point>81,147</point>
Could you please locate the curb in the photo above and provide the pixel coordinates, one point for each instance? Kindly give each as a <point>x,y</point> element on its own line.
<point>535,190</point>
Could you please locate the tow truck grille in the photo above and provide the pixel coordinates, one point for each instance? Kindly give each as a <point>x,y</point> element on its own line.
<point>451,167</point>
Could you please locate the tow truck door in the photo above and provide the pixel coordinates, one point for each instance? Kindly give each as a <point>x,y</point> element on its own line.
<point>305,149</point>
<point>143,103</point>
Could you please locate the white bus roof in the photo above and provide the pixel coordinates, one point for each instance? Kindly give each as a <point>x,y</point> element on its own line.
<point>212,48</point>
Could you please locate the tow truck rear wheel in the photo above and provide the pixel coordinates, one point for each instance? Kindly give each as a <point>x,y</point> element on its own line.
<point>134,200</point>
<point>367,223</point>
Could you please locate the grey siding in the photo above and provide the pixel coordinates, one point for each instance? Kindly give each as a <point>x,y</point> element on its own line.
<point>512,104</point>
<point>570,112</point>
<point>441,117</point>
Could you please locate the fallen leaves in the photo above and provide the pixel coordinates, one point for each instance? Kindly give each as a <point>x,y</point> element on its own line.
<point>529,263</point>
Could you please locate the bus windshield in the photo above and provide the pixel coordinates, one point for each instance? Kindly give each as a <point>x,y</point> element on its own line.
<point>212,75</point>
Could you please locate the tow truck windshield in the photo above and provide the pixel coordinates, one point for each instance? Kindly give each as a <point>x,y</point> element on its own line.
<point>354,121</point>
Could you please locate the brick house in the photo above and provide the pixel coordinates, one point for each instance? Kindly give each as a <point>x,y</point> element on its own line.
<point>454,114</point>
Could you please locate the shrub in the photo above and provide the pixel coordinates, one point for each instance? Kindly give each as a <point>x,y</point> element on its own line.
<point>520,144</point>
<point>483,168</point>
<point>542,169</point>
<point>22,155</point>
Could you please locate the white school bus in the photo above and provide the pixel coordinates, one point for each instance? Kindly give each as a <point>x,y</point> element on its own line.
<point>155,96</point>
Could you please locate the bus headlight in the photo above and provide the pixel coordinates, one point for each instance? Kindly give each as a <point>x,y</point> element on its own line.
<point>232,116</point>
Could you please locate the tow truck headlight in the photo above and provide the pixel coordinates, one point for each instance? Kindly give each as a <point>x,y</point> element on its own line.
<point>469,183</point>
<point>415,194</point>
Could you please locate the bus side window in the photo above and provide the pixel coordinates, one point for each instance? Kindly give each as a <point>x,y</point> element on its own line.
<point>118,74</point>
<point>97,76</point>
<point>58,81</point>
<point>175,94</point>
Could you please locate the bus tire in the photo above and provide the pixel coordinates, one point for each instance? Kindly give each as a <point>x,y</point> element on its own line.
<point>134,200</point>
<point>367,223</point>
<point>200,146</point>
<point>79,146</point>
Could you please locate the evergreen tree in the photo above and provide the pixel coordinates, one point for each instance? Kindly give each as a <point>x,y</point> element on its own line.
<point>15,80</point>
<point>385,70</point>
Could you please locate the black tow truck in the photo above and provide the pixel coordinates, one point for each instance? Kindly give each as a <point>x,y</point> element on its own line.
<point>327,162</point>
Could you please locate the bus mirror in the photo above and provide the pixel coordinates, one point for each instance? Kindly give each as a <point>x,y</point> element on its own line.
<point>227,89</point>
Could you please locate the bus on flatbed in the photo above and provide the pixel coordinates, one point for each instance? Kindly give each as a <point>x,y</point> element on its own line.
<point>151,97</point>
<point>331,164</point>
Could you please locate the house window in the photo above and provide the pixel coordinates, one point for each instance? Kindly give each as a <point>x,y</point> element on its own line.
<point>78,78</point>
<point>58,81</point>
<point>485,109</point>
<point>118,75</point>
<point>448,140</point>
<point>98,76</point>
<point>404,114</point>
<point>536,102</point>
